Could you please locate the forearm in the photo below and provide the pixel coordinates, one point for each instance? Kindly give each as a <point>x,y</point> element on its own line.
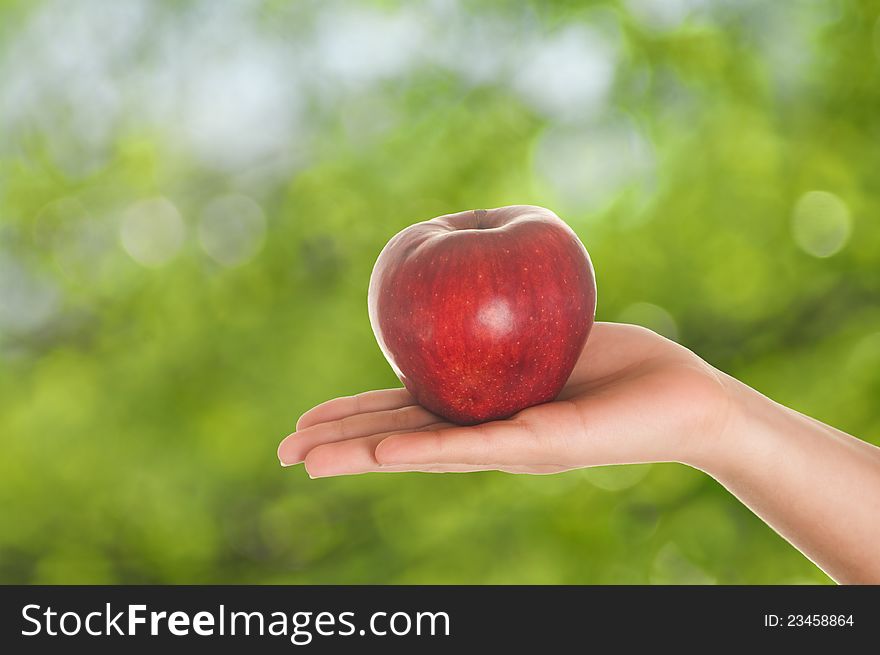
<point>816,486</point>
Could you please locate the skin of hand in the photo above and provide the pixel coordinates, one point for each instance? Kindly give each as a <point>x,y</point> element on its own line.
<point>633,397</point>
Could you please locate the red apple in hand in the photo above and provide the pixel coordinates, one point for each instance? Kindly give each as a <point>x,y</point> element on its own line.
<point>483,313</point>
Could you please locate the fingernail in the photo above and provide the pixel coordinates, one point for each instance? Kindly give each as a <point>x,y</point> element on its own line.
<point>284,461</point>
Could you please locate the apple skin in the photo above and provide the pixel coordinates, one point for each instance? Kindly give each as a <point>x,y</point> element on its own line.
<point>485,312</point>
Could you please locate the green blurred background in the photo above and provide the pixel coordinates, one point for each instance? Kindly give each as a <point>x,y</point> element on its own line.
<point>192,195</point>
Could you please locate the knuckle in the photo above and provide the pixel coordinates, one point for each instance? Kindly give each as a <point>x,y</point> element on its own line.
<point>343,426</point>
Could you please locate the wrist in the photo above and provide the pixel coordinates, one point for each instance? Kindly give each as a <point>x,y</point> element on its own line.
<point>746,421</point>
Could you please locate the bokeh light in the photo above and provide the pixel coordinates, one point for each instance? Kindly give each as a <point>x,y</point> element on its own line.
<point>821,223</point>
<point>587,167</point>
<point>232,229</point>
<point>567,75</point>
<point>616,478</point>
<point>152,231</point>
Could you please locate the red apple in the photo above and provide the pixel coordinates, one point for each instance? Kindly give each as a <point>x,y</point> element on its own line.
<point>485,312</point>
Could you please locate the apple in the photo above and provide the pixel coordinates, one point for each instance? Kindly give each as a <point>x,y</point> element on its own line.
<point>485,312</point>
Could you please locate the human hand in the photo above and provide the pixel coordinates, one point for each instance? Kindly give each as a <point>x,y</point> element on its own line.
<point>633,396</point>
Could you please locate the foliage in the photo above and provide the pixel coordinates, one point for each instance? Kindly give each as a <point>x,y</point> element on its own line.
<point>718,159</point>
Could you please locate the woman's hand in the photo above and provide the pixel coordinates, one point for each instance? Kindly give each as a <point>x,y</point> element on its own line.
<point>634,396</point>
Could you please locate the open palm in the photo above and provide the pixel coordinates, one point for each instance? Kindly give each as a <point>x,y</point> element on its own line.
<point>633,396</point>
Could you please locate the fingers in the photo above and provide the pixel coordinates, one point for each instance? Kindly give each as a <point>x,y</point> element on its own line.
<point>370,401</point>
<point>409,438</point>
<point>528,440</point>
<point>345,458</point>
<point>293,448</point>
<point>357,456</point>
